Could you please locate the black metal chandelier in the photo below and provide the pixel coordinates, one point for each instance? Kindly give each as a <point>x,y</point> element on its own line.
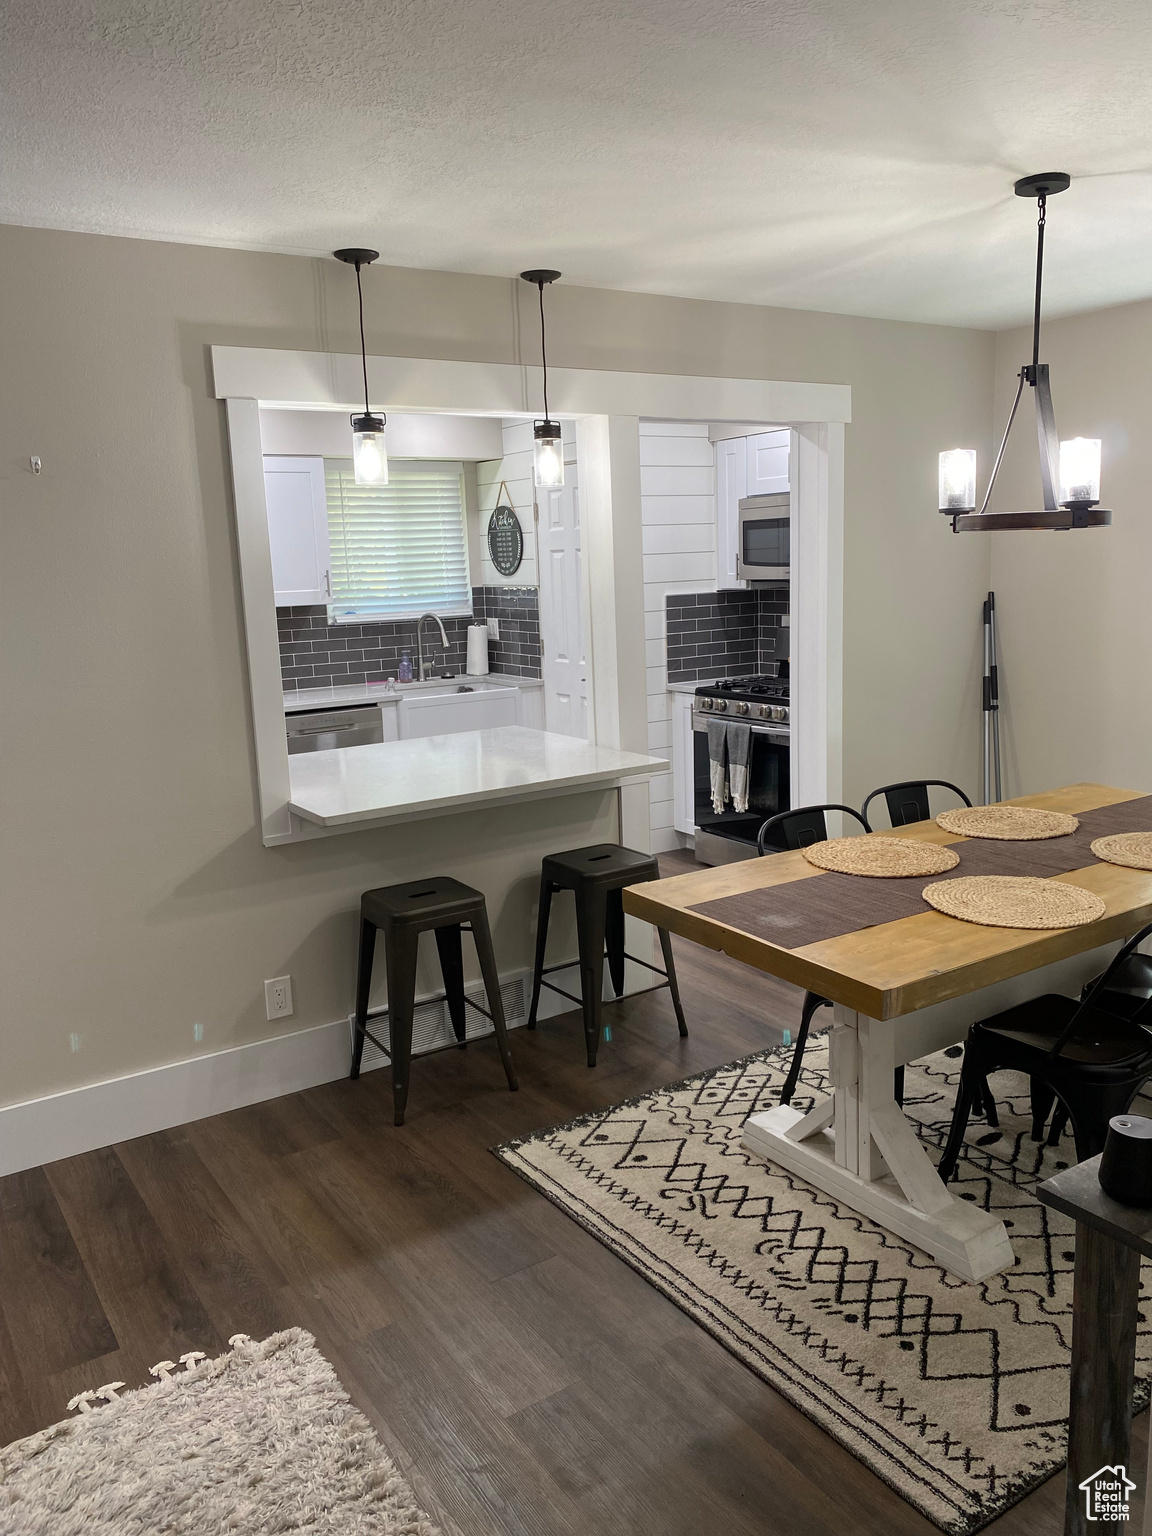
<point>1069,470</point>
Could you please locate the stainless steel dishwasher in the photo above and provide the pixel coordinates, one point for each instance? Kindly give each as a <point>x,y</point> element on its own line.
<point>322,730</point>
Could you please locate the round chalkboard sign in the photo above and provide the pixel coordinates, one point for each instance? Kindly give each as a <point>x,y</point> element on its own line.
<point>505,540</point>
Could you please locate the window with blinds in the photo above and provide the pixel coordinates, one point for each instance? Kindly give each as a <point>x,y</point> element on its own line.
<point>397,550</point>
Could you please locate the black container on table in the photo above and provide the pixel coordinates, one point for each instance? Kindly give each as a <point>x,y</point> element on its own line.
<point>1126,1166</point>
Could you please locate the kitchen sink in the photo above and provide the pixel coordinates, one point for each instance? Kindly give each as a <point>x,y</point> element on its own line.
<point>442,711</point>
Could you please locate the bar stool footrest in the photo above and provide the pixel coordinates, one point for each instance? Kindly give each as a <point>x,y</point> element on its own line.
<point>451,1045</point>
<point>552,987</point>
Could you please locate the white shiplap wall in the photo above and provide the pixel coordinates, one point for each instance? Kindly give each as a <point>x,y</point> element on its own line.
<point>515,468</point>
<point>678,510</point>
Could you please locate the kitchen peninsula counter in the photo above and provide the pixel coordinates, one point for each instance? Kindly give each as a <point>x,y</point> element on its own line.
<point>440,775</point>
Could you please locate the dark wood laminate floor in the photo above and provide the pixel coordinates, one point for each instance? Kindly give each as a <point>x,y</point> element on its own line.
<point>526,1379</point>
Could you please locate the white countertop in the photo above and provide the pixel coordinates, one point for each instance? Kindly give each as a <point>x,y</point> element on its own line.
<point>436,775</point>
<point>296,701</point>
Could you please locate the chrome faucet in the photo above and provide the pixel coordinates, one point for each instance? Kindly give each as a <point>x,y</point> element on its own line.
<point>420,640</point>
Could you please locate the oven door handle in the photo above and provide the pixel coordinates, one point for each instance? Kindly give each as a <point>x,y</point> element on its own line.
<point>758,728</point>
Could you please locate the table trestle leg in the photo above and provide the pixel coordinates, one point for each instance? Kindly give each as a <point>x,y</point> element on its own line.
<point>874,1160</point>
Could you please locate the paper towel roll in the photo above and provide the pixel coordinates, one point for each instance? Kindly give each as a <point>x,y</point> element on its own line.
<point>477,650</point>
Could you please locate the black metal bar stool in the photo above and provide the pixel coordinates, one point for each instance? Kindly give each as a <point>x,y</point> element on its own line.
<point>404,912</point>
<point>597,877</point>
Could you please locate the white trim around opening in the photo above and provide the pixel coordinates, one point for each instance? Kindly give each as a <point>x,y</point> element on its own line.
<point>606,407</point>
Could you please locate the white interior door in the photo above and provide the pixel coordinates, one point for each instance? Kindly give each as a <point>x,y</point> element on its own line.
<point>562,610</point>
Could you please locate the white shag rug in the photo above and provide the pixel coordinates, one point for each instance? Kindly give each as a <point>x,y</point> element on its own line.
<point>262,1440</point>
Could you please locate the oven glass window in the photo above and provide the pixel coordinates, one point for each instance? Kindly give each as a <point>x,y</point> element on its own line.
<point>769,789</point>
<point>766,541</point>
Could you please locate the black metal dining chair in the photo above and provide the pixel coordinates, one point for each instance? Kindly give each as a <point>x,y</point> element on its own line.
<point>788,831</point>
<point>1124,994</point>
<point>1092,1060</point>
<point>807,824</point>
<point>908,801</point>
<point>1128,987</point>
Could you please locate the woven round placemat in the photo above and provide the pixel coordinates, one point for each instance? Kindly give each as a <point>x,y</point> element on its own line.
<point>1009,823</point>
<point>1132,849</point>
<point>888,857</point>
<point>1014,901</point>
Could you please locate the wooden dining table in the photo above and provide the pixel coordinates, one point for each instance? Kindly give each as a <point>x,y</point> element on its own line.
<point>901,990</point>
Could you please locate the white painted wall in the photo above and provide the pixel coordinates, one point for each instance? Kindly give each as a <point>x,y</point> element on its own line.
<point>678,511</point>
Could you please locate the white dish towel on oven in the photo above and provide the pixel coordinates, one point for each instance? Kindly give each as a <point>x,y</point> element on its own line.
<point>718,763</point>
<point>729,755</point>
<point>739,760</point>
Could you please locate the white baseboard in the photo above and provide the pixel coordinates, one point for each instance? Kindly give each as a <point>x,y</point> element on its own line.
<point>99,1114</point>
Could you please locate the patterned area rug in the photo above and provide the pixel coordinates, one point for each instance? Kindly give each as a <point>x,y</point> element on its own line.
<point>261,1440</point>
<point>956,1394</point>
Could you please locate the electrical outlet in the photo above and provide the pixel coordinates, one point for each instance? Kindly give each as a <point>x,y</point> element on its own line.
<point>278,997</point>
<point>493,629</point>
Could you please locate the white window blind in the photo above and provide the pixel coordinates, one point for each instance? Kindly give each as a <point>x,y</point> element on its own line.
<point>397,550</point>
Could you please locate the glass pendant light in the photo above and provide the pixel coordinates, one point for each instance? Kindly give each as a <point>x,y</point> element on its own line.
<point>369,455</point>
<point>1069,471</point>
<point>548,444</point>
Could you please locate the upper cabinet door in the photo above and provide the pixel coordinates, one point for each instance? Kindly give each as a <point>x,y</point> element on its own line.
<point>767,463</point>
<point>731,485</point>
<point>298,530</point>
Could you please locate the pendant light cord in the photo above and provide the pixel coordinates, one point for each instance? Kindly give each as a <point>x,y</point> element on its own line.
<point>363,348</point>
<point>544,352</point>
<point>1043,209</point>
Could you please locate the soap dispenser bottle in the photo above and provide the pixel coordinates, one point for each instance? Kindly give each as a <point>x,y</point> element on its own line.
<point>404,671</point>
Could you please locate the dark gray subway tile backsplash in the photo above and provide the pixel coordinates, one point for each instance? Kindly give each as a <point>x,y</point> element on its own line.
<point>725,634</point>
<point>317,654</point>
<point>518,650</point>
<point>773,634</point>
<point>709,634</point>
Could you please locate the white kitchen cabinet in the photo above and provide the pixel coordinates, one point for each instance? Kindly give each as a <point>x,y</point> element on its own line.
<point>767,463</point>
<point>297,530</point>
<point>532,708</point>
<point>683,765</point>
<point>731,485</point>
<point>745,466</point>
<point>390,716</point>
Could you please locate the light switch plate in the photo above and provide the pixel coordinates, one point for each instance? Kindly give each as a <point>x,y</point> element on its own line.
<point>493,629</point>
<point>278,997</point>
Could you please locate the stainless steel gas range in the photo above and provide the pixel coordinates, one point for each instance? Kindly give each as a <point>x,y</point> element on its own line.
<point>761,702</point>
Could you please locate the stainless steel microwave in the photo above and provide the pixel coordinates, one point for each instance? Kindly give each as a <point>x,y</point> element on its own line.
<point>763,539</point>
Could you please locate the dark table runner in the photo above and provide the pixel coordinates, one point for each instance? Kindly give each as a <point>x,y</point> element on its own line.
<point>828,905</point>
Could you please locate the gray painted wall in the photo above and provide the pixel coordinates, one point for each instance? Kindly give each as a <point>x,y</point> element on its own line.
<point>1075,609</point>
<point>143,911</point>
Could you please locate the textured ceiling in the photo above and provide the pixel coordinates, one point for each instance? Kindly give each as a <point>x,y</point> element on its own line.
<point>848,155</point>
